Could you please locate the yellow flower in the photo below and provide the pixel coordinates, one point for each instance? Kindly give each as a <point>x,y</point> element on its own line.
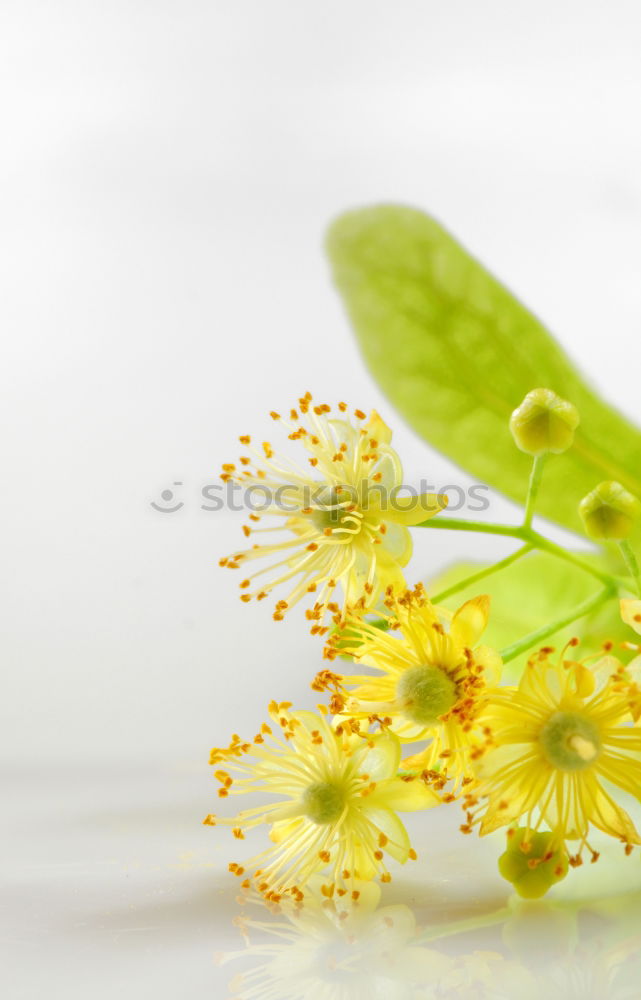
<point>430,679</point>
<point>337,795</point>
<point>347,525</point>
<point>556,738</point>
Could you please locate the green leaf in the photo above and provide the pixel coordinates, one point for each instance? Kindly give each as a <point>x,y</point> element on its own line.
<point>530,593</point>
<point>456,353</point>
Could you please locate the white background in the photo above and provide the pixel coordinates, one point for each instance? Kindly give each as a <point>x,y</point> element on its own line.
<point>167,173</point>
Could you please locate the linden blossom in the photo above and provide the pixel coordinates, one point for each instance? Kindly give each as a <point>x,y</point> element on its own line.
<point>430,679</point>
<point>555,739</point>
<point>338,797</point>
<point>345,530</point>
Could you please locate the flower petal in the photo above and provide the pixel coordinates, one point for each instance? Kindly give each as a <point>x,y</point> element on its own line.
<point>388,823</point>
<point>491,662</point>
<point>388,570</point>
<point>607,815</point>
<point>381,760</point>
<point>470,620</point>
<point>285,829</point>
<point>404,795</point>
<point>396,544</point>
<point>631,613</point>
<point>378,429</point>
<point>412,510</point>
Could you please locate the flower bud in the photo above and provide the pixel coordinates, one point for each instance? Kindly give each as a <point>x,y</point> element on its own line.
<point>544,423</point>
<point>531,863</point>
<point>609,512</point>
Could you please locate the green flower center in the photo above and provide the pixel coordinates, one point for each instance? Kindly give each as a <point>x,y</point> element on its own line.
<point>426,693</point>
<point>334,518</point>
<point>570,741</point>
<point>323,802</point>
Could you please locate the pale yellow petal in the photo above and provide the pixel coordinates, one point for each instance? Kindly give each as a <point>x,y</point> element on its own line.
<point>425,759</point>
<point>501,758</point>
<point>365,867</point>
<point>541,684</point>
<point>495,818</point>
<point>375,690</point>
<point>412,510</point>
<point>285,829</point>
<point>605,668</point>
<point>306,723</point>
<point>631,613</point>
<point>381,760</point>
<point>604,812</point>
<point>409,732</point>
<point>396,544</point>
<point>390,573</point>
<point>585,680</point>
<point>491,662</point>
<point>387,822</point>
<point>405,796</point>
<point>470,620</point>
<point>633,670</point>
<point>344,433</point>
<point>378,429</point>
<point>388,470</point>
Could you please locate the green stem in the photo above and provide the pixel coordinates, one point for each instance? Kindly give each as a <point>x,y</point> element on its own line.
<point>631,563</point>
<point>534,638</point>
<point>543,543</point>
<point>483,527</point>
<point>487,571</point>
<point>525,534</point>
<point>533,489</point>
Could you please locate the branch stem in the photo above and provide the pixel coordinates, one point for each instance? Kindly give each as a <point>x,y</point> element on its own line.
<point>487,571</point>
<point>631,563</point>
<point>482,527</point>
<point>545,545</point>
<point>533,489</point>
<point>525,534</point>
<point>534,638</point>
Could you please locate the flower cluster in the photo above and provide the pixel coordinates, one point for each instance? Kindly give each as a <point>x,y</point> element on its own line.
<point>419,712</point>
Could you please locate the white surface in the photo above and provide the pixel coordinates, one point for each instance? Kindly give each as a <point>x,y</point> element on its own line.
<point>168,171</point>
<point>115,889</point>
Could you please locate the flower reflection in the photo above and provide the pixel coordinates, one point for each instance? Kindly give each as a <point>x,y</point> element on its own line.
<point>326,950</point>
<point>371,950</point>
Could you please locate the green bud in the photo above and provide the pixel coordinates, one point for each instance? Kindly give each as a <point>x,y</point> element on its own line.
<point>531,864</point>
<point>609,512</point>
<point>544,423</point>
